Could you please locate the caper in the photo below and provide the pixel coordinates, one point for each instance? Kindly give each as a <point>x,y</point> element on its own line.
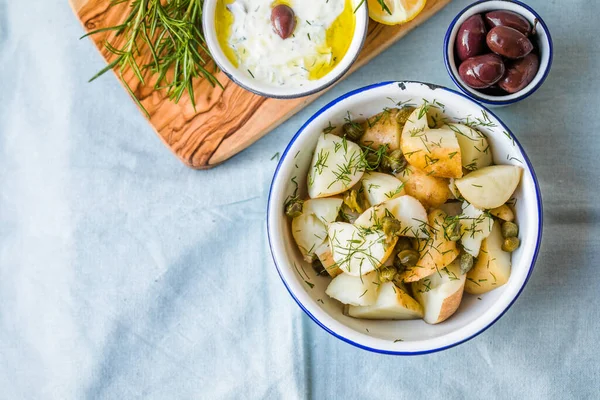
<point>466,262</point>
<point>399,266</point>
<point>511,244</point>
<point>391,226</point>
<point>385,162</point>
<point>293,208</point>
<point>398,165</point>
<point>408,257</point>
<point>403,243</point>
<point>372,160</point>
<point>354,201</point>
<point>387,274</point>
<point>319,268</point>
<point>452,231</point>
<point>394,162</point>
<point>353,131</point>
<point>510,229</point>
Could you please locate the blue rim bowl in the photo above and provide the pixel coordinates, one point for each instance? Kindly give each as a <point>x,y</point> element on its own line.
<point>544,43</point>
<point>317,309</point>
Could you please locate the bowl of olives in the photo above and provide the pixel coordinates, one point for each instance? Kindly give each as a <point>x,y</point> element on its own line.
<point>498,51</point>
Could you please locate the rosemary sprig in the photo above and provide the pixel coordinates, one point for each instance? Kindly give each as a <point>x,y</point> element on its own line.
<point>170,30</point>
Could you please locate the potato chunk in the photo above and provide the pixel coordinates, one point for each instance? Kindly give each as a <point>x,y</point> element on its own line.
<point>392,303</point>
<point>355,290</point>
<point>385,128</point>
<point>310,228</point>
<point>337,165</point>
<point>492,268</point>
<point>440,294</point>
<point>490,187</point>
<point>406,209</point>
<point>379,187</point>
<point>474,147</point>
<point>475,226</point>
<point>436,252</point>
<point>432,192</point>
<point>358,251</point>
<point>435,151</point>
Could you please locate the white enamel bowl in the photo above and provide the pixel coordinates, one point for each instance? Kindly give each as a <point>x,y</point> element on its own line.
<point>400,337</point>
<point>542,37</point>
<point>281,92</point>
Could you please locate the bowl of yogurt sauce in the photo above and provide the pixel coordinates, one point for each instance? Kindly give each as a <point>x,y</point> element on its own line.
<point>285,48</point>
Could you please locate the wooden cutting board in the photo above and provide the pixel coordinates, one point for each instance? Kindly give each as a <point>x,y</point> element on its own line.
<point>227,120</point>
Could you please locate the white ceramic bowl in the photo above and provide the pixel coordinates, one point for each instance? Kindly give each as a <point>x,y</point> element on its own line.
<point>267,90</point>
<point>400,337</point>
<point>543,39</point>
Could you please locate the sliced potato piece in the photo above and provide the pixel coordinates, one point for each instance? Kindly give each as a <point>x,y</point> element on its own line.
<point>379,187</point>
<point>371,218</point>
<point>354,290</point>
<point>358,251</point>
<point>326,258</point>
<point>435,117</point>
<point>435,151</point>
<point>337,165</point>
<point>436,252</point>
<point>492,268</point>
<point>384,128</point>
<point>406,209</point>
<point>417,121</point>
<point>503,212</point>
<point>490,187</point>
<point>309,233</point>
<point>326,210</point>
<point>411,214</point>
<point>392,303</point>
<point>310,229</point>
<point>453,189</point>
<point>475,225</point>
<point>432,192</point>
<point>440,294</point>
<point>474,148</point>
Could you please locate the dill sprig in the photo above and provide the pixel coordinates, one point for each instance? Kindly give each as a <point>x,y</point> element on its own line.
<point>478,122</point>
<point>170,31</point>
<point>372,158</point>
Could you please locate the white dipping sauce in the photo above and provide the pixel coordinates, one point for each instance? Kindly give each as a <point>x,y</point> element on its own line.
<point>268,58</point>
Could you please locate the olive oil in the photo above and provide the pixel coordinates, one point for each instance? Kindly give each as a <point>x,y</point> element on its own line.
<point>338,38</point>
<point>223,24</point>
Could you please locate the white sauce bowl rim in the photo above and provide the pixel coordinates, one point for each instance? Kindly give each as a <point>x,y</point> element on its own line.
<point>281,92</point>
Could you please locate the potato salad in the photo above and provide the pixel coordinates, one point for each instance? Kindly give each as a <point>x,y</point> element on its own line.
<point>406,211</point>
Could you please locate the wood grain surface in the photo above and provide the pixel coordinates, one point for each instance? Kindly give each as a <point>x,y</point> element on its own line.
<point>226,120</point>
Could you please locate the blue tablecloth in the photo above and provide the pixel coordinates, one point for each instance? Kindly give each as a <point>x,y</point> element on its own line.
<point>125,275</point>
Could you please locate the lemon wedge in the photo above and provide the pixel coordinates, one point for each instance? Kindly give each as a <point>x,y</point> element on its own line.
<point>394,12</point>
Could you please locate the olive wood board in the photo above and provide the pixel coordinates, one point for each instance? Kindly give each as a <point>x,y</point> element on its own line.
<point>226,120</point>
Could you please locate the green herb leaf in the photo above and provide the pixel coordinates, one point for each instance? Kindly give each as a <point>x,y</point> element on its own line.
<point>171,32</point>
